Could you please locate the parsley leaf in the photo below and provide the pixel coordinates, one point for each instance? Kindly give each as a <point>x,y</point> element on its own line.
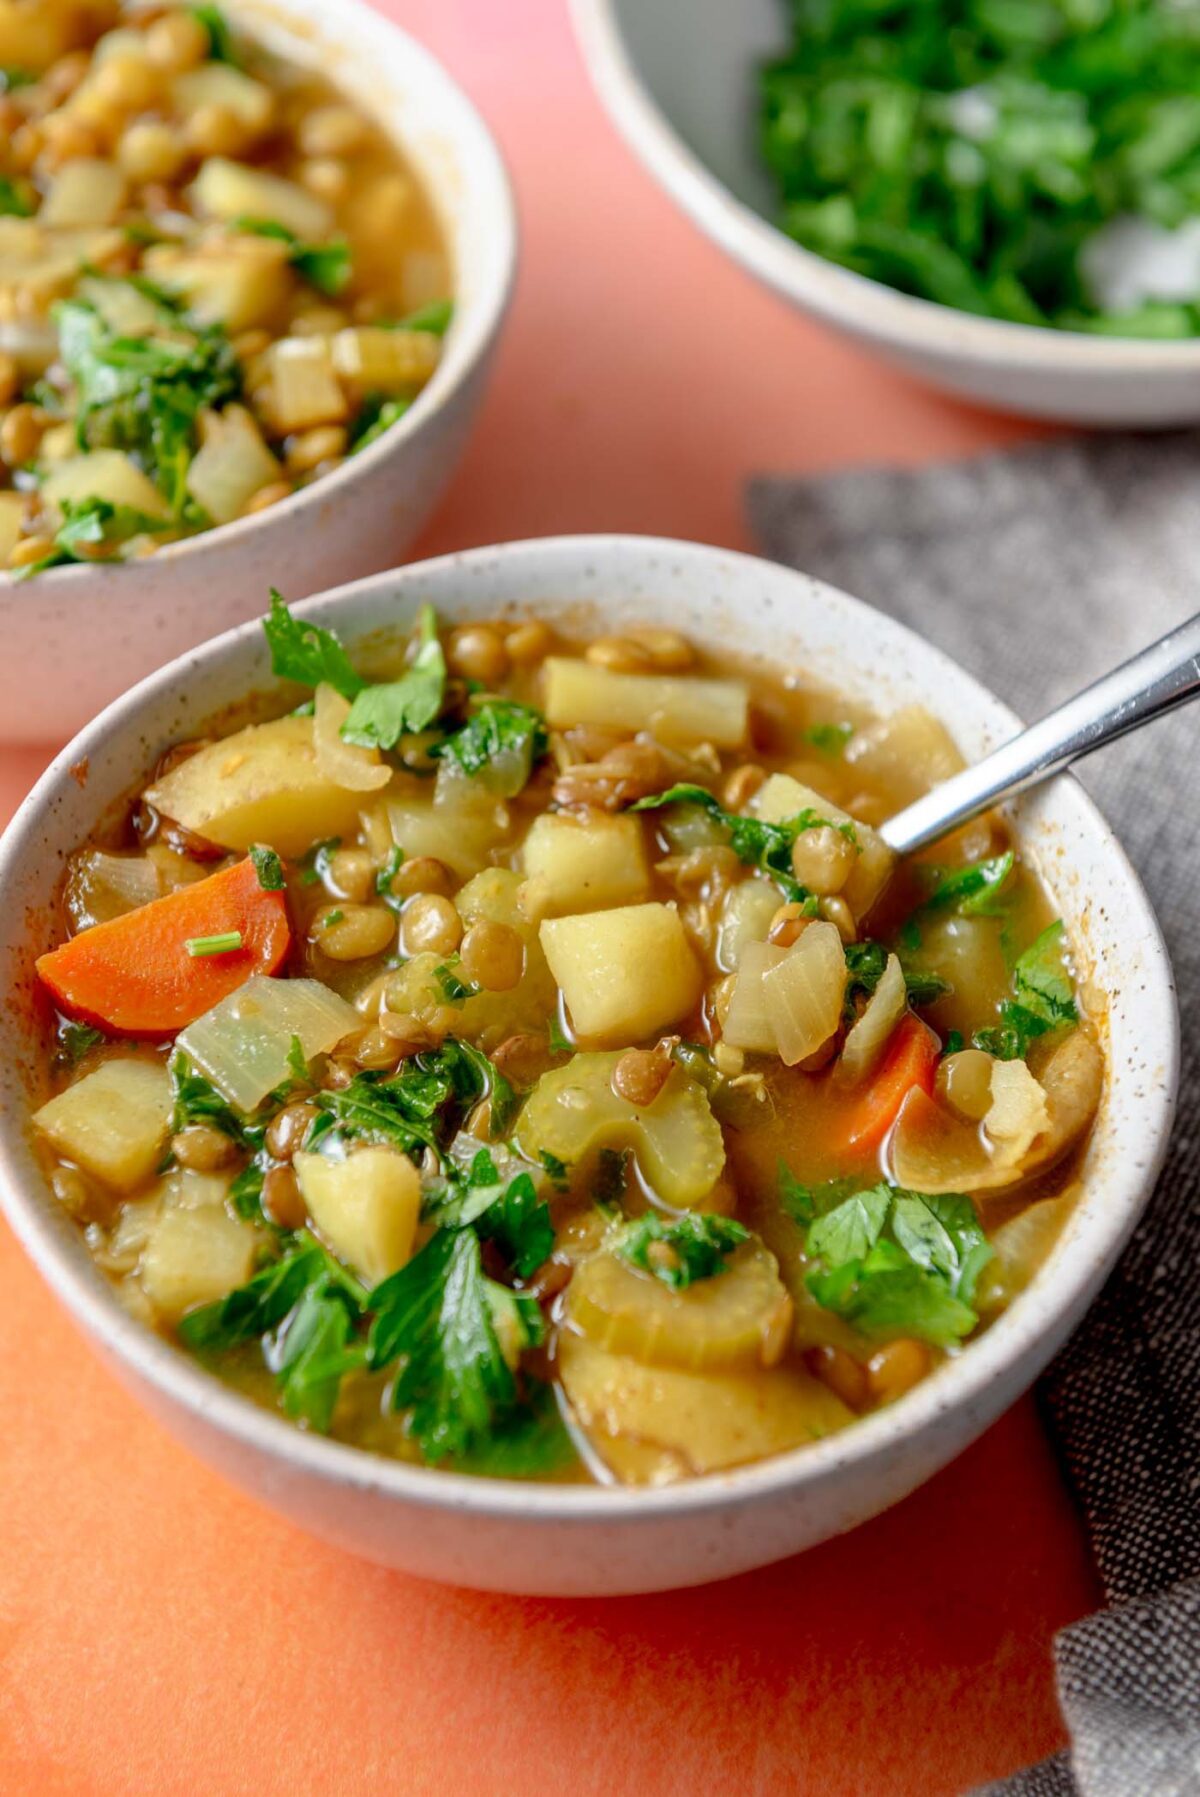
<point>765,846</point>
<point>245,1192</point>
<point>308,653</point>
<point>381,715</point>
<point>220,38</point>
<point>974,890</point>
<point>17,198</point>
<point>680,1250</point>
<point>421,1105</point>
<point>506,1210</point>
<point>897,1262</point>
<point>196,1100</point>
<point>1043,999</point>
<point>454,990</point>
<point>376,415</point>
<point>268,867</point>
<point>75,1040</point>
<point>325,266</point>
<point>501,740</point>
<point>92,529</point>
<point>830,739</point>
<point>532,1443</point>
<point>438,1317</point>
<point>434,318</point>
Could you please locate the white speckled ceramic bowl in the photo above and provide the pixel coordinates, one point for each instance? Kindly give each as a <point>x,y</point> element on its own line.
<point>76,637</point>
<point>575,1539</point>
<point>679,80</point>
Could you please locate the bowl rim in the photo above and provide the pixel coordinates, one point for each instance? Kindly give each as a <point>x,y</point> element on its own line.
<point>473,327</point>
<point>839,295</point>
<point>141,1353</point>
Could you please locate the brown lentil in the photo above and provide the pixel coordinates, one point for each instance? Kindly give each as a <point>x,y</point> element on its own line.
<point>282,1200</point>
<point>21,435</point>
<point>620,655</point>
<point>350,874</point>
<point>177,42</point>
<point>523,1058</point>
<point>528,644</point>
<point>477,652</point>
<point>354,932</point>
<point>30,550</point>
<point>429,924</point>
<point>203,1149</point>
<point>286,1132</point>
<point>267,496</point>
<point>10,379</point>
<point>424,873</point>
<point>897,1368</point>
<point>308,449</point>
<point>640,1075</point>
<point>788,924</point>
<point>846,1377</point>
<point>742,785</point>
<point>493,956</point>
<point>964,1080</point>
<point>669,652</point>
<point>410,1035</point>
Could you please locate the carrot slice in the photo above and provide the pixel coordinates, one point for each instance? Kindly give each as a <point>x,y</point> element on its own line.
<point>909,1062</point>
<point>133,976</point>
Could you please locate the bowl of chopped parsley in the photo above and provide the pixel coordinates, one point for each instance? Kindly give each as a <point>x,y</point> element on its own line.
<point>1000,198</point>
<point>245,310</point>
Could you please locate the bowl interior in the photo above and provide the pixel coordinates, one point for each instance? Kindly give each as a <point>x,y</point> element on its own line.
<point>781,619</point>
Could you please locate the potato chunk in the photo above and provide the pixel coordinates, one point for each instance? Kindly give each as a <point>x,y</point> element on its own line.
<point>676,708</point>
<point>85,192</point>
<point>262,784</point>
<point>583,864</point>
<point>104,474</point>
<point>366,1207</point>
<point>780,798</point>
<point>232,190</point>
<point>625,974</point>
<point>113,1122</point>
<point>195,1254</point>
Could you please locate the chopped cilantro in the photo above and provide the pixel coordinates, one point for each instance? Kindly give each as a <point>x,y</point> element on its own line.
<point>560,1042</point>
<point>298,1062</point>
<point>454,990</point>
<point>381,715</point>
<point>92,529</point>
<point>245,1193</point>
<point>75,1040</point>
<point>375,416</point>
<point>830,739</point>
<point>974,890</point>
<point>317,861</point>
<point>220,37</point>
<point>307,653</point>
<point>500,741</point>
<point>386,875</point>
<point>325,266</point>
<point>507,1211</point>
<point>531,1443</point>
<point>419,1106</point>
<point>680,1250</point>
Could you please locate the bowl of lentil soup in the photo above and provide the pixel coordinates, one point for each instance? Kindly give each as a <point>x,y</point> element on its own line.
<point>475,1072</point>
<point>251,274</point>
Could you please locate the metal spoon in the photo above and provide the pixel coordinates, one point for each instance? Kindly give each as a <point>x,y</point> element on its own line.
<point>1155,681</point>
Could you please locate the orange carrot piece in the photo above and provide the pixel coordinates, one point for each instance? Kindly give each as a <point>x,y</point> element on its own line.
<point>909,1062</point>
<point>133,976</point>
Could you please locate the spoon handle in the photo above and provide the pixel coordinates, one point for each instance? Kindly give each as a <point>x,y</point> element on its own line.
<point>1155,681</point>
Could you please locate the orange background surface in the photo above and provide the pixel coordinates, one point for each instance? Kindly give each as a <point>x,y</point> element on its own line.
<point>160,1634</point>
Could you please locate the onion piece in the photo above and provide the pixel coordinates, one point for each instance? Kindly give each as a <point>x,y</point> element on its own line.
<point>345,764</point>
<point>870,1035</point>
<point>908,753</point>
<point>242,1044</point>
<point>31,342</point>
<point>1017,1114</point>
<point>745,918</point>
<point>1020,1248</point>
<point>804,993</point>
<point>746,1022</point>
<point>101,886</point>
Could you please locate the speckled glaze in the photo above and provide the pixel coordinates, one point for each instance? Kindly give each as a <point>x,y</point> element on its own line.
<point>577,1540</point>
<point>690,120</point>
<point>76,637</point>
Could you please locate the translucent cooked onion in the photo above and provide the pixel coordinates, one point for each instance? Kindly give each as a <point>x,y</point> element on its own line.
<point>870,1035</point>
<point>242,1045</point>
<point>345,764</point>
<point>1020,1247</point>
<point>803,994</point>
<point>745,918</point>
<point>101,886</point>
<point>746,1022</point>
<point>1017,1114</point>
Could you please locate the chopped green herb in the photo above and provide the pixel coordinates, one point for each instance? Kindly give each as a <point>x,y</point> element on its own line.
<point>531,1443</point>
<point>893,1262</point>
<point>974,890</point>
<point>830,739</point>
<point>220,37</point>
<point>317,860</point>
<point>804,1202</point>
<point>245,1193</point>
<point>75,1040</point>
<point>381,715</point>
<point>223,944</point>
<point>196,1100</point>
<point>556,1170</point>
<point>329,918</point>
<point>1043,999</point>
<point>307,653</point>
<point>680,1250</point>
<point>376,415</point>
<point>440,1319</point>
<point>434,318</point>
<point>18,199</point>
<point>91,530</point>
<point>268,867</point>
<point>325,266</point>
<point>11,79</point>
<point>758,844</point>
<point>386,875</point>
<point>501,741</point>
<point>953,1043</point>
<point>506,1210</point>
<point>454,990</point>
<point>418,1107</point>
<point>298,1062</point>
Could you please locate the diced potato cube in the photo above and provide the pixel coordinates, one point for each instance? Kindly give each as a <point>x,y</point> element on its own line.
<point>676,708</point>
<point>12,510</point>
<point>260,785</point>
<point>195,1255</point>
<point>104,474</point>
<point>302,389</point>
<point>123,307</point>
<point>243,284</point>
<point>366,1207</point>
<point>624,974</point>
<point>377,360</point>
<point>219,84</point>
<point>86,192</point>
<point>232,464</point>
<point>574,864</point>
<point>32,36</point>
<point>780,798</point>
<point>113,1123</point>
<point>231,190</point>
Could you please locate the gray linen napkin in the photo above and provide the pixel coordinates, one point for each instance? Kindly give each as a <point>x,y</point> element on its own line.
<point>1039,569</point>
